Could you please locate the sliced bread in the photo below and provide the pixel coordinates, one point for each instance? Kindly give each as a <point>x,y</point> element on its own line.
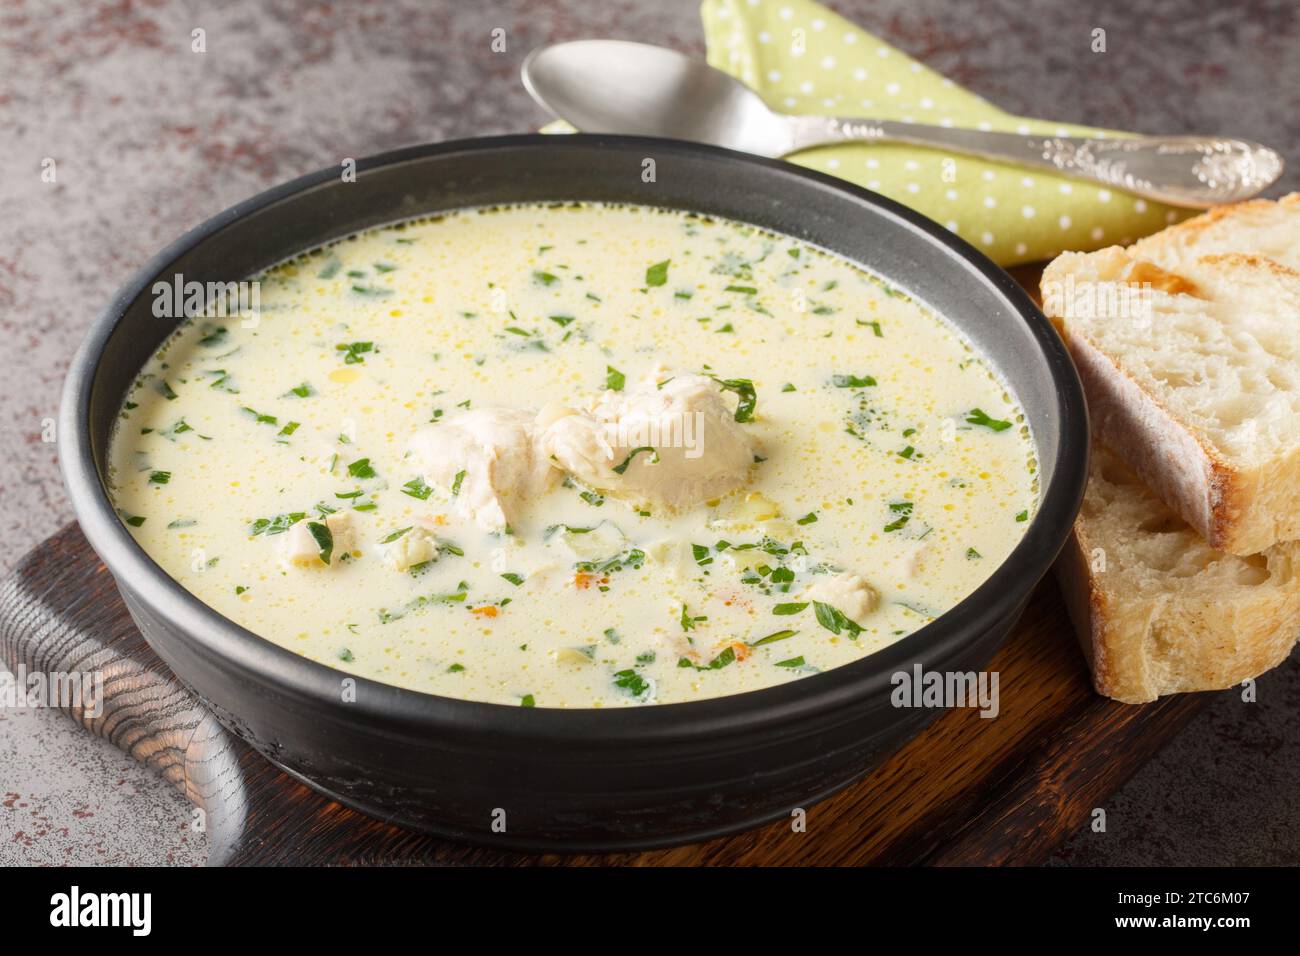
<point>1259,227</point>
<point>1191,363</point>
<point>1157,610</point>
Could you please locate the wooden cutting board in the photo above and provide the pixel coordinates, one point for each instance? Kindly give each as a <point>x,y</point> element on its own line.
<point>969,790</point>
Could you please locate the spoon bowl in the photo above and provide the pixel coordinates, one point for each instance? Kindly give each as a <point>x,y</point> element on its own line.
<point>616,86</point>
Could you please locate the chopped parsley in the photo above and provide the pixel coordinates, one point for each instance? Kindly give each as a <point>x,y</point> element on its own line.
<point>688,622</point>
<point>748,396</point>
<point>776,635</point>
<point>417,488</point>
<point>727,656</point>
<point>277,525</point>
<point>978,417</point>
<point>852,381</point>
<point>903,510</point>
<point>213,336</point>
<point>620,469</point>
<point>632,682</point>
<point>361,468</point>
<point>792,607</point>
<point>835,620</point>
<point>354,352</point>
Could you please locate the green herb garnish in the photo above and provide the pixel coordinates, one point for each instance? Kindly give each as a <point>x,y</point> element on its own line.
<point>324,539</point>
<point>978,417</point>
<point>361,468</point>
<point>620,469</point>
<point>354,352</point>
<point>835,620</point>
<point>904,511</point>
<point>744,389</point>
<point>852,381</point>
<point>416,488</point>
<point>632,682</point>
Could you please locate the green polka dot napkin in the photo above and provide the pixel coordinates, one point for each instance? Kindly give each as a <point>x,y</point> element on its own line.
<point>802,58</point>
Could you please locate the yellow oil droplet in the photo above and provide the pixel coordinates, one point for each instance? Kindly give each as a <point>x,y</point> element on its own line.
<point>344,375</point>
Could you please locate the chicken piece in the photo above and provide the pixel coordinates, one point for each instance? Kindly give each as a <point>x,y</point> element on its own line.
<point>486,460</point>
<point>672,557</point>
<point>604,540</point>
<point>300,547</point>
<point>417,546</point>
<point>848,593</point>
<point>671,442</point>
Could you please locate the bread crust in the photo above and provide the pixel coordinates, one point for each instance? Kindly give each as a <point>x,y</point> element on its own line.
<point>1190,231</point>
<point>1241,508</point>
<point>1182,572</point>
<point>1146,633</point>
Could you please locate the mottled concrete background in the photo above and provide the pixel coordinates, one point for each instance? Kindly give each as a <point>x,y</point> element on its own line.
<point>150,138</point>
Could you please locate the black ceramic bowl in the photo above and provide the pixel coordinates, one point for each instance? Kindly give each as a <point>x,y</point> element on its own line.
<point>575,779</point>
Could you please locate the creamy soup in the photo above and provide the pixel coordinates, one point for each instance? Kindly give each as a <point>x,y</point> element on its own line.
<point>575,456</point>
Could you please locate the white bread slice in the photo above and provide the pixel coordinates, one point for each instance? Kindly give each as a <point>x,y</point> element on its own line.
<point>1157,610</point>
<point>1192,369</point>
<point>1258,227</point>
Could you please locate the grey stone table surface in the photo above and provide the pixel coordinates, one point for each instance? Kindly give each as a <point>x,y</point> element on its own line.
<point>150,138</point>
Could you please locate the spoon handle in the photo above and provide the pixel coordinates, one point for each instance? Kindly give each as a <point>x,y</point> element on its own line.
<point>1190,171</point>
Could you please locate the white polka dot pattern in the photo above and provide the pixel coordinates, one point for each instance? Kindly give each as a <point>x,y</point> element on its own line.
<point>803,58</point>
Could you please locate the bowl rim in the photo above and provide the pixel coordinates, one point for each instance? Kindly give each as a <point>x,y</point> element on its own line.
<point>403,711</point>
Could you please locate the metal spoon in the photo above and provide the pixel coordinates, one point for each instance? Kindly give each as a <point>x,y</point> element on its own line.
<point>614,86</point>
